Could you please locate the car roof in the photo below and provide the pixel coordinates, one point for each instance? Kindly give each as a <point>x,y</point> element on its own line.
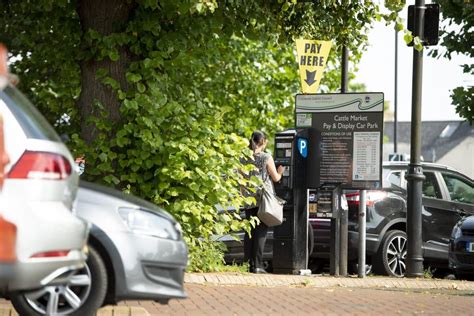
<point>428,165</point>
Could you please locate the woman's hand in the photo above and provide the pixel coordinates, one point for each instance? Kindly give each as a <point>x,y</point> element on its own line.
<point>281,169</point>
<point>274,173</point>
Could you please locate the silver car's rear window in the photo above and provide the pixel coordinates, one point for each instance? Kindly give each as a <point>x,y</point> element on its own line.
<point>30,119</point>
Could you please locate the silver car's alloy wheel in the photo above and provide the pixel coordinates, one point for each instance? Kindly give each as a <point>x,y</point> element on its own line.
<point>396,254</point>
<point>64,297</point>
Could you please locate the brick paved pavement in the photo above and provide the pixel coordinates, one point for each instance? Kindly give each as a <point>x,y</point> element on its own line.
<point>326,281</point>
<point>248,294</point>
<point>285,300</point>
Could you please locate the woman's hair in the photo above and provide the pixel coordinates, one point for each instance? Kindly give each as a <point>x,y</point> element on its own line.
<point>257,139</point>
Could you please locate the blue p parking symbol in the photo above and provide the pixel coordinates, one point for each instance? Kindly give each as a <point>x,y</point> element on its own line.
<point>303,147</point>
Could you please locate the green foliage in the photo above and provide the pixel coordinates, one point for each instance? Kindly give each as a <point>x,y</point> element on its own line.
<point>457,37</point>
<point>201,76</point>
<point>45,35</point>
<point>395,5</point>
<point>207,257</point>
<point>463,98</point>
<point>428,273</point>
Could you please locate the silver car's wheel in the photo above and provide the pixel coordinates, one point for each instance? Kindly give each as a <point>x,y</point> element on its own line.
<point>79,293</point>
<point>394,253</point>
<point>64,297</point>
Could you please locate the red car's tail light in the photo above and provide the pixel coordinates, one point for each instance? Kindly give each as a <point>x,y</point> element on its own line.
<point>51,254</point>
<point>7,241</point>
<point>41,165</point>
<point>371,197</point>
<point>352,198</point>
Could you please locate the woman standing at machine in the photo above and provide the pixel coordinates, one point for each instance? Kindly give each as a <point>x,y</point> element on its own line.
<point>267,171</point>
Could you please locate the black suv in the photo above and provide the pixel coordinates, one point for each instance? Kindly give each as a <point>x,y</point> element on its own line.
<point>447,196</point>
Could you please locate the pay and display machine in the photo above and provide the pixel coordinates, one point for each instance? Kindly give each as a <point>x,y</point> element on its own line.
<point>303,195</point>
<point>290,238</point>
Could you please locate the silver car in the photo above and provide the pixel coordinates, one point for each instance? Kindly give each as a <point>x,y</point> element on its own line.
<point>140,244</point>
<point>38,194</point>
<point>136,251</point>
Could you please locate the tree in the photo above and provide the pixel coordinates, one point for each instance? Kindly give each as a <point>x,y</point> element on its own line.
<point>457,37</point>
<point>159,97</point>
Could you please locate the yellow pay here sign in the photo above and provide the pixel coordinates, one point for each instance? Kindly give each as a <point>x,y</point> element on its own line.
<point>312,58</point>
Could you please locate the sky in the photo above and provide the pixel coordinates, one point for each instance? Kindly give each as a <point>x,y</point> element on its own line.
<point>440,76</point>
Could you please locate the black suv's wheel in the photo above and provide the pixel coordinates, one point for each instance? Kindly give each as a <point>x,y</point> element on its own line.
<point>79,293</point>
<point>391,258</point>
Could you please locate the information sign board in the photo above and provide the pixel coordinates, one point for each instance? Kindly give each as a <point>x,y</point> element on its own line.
<point>347,135</point>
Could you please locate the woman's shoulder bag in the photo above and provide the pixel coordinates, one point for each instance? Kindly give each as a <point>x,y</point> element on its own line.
<point>270,210</point>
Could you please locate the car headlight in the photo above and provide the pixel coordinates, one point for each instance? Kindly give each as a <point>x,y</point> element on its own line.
<point>457,232</point>
<point>148,223</point>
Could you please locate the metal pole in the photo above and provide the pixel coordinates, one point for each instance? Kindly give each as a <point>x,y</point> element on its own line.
<point>361,254</point>
<point>415,172</point>
<point>334,248</point>
<point>395,100</point>
<point>344,216</point>
<point>344,69</point>
<point>307,232</point>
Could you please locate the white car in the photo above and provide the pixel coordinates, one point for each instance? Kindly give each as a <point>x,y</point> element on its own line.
<point>38,196</point>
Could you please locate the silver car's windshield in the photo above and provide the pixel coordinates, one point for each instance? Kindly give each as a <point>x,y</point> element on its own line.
<point>32,122</point>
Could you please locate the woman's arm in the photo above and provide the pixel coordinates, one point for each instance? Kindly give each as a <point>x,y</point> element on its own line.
<point>272,171</point>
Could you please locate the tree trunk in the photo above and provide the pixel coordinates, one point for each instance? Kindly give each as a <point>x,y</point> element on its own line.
<point>105,17</point>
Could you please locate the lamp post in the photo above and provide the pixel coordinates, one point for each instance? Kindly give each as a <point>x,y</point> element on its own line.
<point>344,233</point>
<point>415,175</point>
<point>395,98</point>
